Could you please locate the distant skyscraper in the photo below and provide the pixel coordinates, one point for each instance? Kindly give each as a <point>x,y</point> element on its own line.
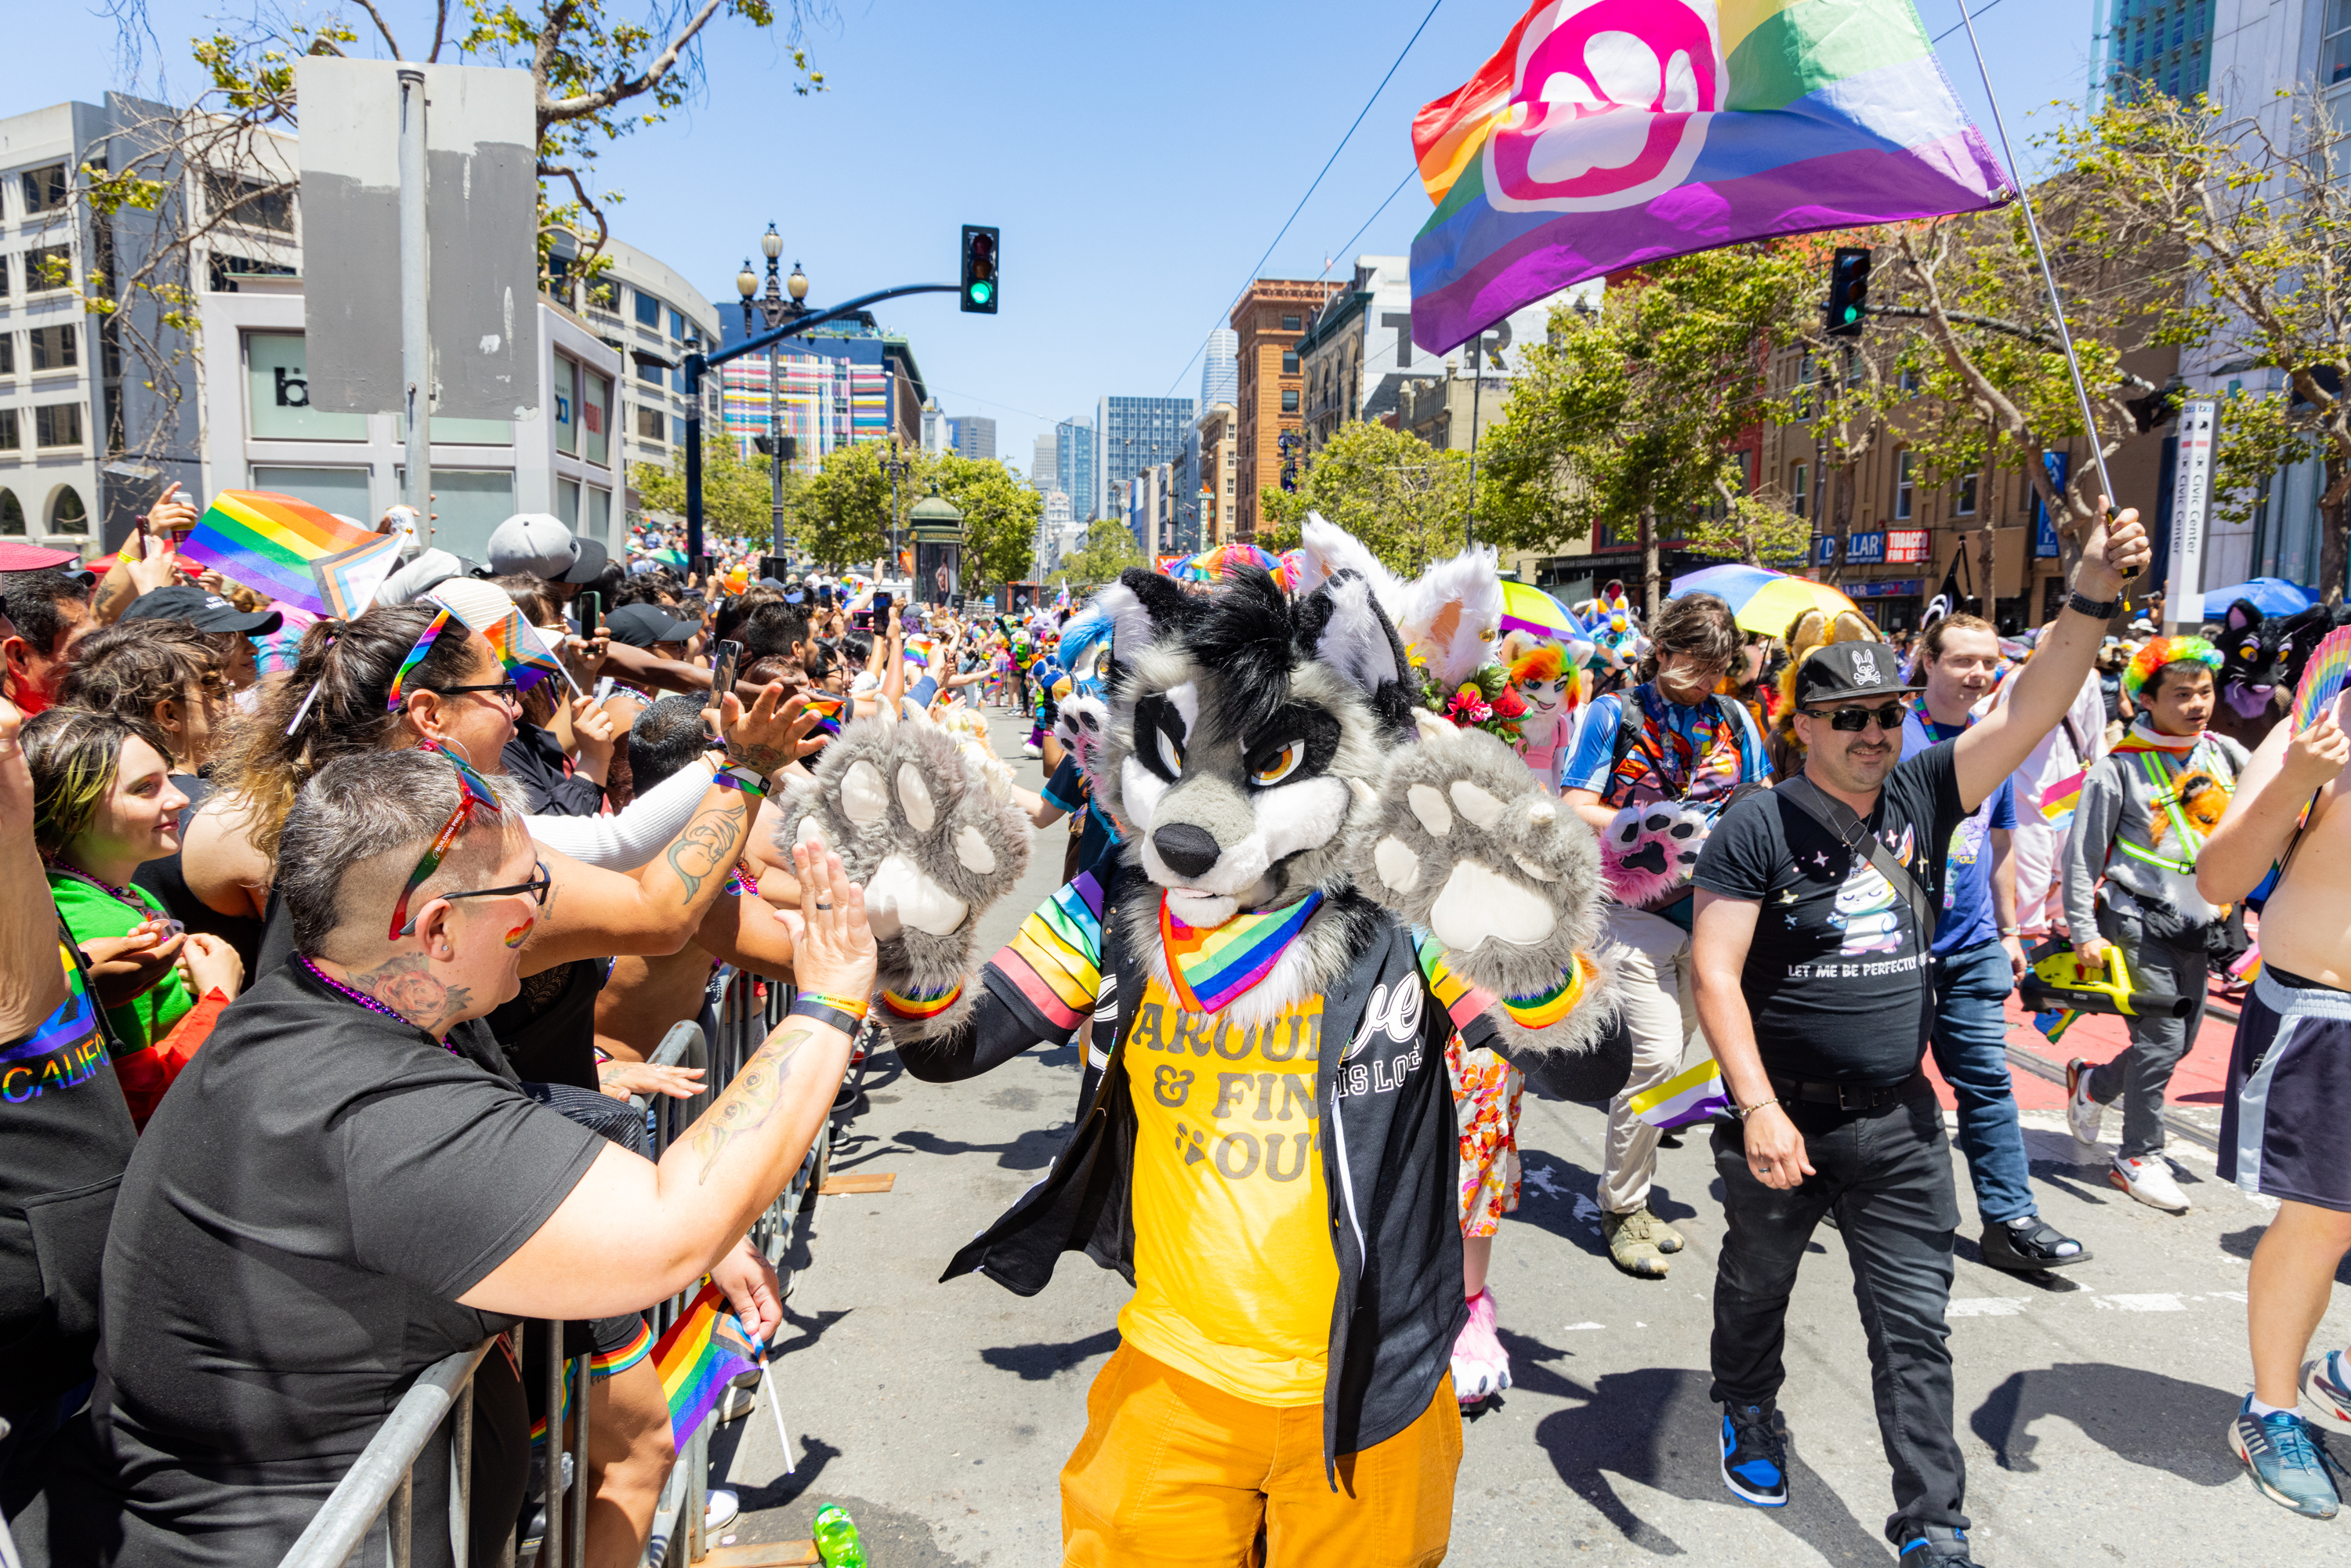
<point>1133,434</point>
<point>1074,465</point>
<point>1220,370</point>
<point>976,437</point>
<point>1043,474</point>
<point>936,423</point>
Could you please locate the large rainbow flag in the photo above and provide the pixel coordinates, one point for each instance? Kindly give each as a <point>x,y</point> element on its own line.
<point>702,1352</point>
<point>292,551</point>
<point>1605,133</point>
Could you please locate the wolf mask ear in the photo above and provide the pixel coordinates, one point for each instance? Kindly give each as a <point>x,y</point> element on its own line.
<point>1142,606</point>
<point>1341,625</point>
<point>1326,551</point>
<point>1450,613</point>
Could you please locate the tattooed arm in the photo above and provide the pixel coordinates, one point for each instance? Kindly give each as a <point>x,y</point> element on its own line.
<point>632,1232</point>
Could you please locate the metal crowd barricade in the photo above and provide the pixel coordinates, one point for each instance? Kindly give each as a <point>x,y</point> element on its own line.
<point>380,1483</point>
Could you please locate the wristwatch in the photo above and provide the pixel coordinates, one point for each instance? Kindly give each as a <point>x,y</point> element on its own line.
<point>2095,609</point>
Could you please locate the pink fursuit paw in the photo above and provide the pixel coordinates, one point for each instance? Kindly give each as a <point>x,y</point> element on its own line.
<point>1481,1367</point>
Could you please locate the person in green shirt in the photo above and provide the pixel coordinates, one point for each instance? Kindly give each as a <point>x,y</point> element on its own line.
<point>103,804</point>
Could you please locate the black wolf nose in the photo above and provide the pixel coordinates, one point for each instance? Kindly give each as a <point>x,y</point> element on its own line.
<point>1188,850</point>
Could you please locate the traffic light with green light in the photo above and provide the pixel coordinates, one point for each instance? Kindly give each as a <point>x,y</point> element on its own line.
<point>1848,291</point>
<point>979,280</point>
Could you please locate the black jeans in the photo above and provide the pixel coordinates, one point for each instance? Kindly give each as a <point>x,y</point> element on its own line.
<point>1888,1173</point>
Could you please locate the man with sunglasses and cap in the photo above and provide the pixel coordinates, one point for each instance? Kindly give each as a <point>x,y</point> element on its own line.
<point>1816,908</point>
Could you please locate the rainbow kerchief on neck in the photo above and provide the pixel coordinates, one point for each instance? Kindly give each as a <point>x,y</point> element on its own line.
<point>1207,968</point>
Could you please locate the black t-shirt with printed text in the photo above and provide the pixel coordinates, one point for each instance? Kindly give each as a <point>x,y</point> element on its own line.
<point>1836,975</point>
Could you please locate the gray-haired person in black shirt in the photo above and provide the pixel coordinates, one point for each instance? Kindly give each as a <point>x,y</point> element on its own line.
<point>1814,930</point>
<point>347,1185</point>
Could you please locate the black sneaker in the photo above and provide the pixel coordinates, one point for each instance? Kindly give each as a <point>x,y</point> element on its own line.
<point>2038,1245</point>
<point>1754,1458</point>
<point>1938,1545</point>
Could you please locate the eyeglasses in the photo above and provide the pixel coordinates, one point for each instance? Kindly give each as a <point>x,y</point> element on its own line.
<point>537,887</point>
<point>507,691</point>
<point>475,793</point>
<point>1857,718</point>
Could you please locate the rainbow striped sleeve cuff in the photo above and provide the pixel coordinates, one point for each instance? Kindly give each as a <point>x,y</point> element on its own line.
<point>1461,1000</point>
<point>1054,961</point>
<point>920,1006</point>
<point>1547,1008</point>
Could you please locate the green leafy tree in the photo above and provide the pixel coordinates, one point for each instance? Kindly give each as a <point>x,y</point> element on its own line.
<point>736,493</point>
<point>843,510</point>
<point>1109,550</point>
<point>1405,501</point>
<point>1000,513</point>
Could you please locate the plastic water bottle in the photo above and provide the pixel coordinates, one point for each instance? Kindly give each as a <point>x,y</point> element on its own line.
<point>836,1538</point>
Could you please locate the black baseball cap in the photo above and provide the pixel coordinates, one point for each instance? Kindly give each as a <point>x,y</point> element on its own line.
<point>1847,670</point>
<point>643,625</point>
<point>206,611</point>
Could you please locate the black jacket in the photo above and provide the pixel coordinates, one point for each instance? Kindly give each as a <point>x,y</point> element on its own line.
<point>1390,1152</point>
<point>535,759</point>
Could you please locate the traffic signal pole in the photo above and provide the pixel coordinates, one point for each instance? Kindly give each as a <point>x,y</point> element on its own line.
<point>697,363</point>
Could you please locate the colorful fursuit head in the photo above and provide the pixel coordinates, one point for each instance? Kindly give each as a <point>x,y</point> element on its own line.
<point>1543,663</point>
<point>1606,133</point>
<point>2157,652</point>
<point>476,793</point>
<point>293,551</point>
<point>415,656</point>
<point>1209,969</point>
<point>702,1352</point>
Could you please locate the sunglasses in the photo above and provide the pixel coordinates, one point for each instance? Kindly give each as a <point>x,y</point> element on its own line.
<point>475,794</point>
<point>1857,718</point>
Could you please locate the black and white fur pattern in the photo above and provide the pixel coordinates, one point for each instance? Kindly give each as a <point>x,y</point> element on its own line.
<point>917,827</point>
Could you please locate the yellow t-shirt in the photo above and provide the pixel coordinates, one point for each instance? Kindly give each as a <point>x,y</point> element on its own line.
<point>1234,1271</point>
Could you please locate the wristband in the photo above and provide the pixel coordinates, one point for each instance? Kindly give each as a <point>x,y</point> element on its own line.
<point>2097,609</point>
<point>855,1007</point>
<point>736,776</point>
<point>822,1011</point>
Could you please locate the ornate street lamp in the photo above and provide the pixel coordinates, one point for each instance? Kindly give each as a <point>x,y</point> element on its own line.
<point>775,311</point>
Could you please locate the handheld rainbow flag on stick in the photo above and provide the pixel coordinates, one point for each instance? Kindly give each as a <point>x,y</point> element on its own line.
<point>1605,133</point>
<point>522,652</point>
<point>702,1352</point>
<point>2323,677</point>
<point>293,551</point>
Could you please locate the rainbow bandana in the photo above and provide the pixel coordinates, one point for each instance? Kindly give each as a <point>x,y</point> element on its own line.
<point>1208,968</point>
<point>476,793</point>
<point>416,657</point>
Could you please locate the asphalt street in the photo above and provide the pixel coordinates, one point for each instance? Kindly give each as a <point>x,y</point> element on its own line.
<point>2091,1405</point>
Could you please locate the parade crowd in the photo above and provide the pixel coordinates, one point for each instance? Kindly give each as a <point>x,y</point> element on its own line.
<point>317,1059</point>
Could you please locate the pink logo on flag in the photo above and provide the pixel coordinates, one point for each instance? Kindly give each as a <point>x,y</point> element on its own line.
<point>1609,107</point>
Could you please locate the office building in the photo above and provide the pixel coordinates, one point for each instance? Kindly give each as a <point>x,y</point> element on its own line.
<point>937,433</point>
<point>1220,369</point>
<point>1043,474</point>
<point>2166,46</point>
<point>975,437</point>
<point>1219,433</point>
<point>1074,465</point>
<point>1133,434</point>
<point>1270,320</point>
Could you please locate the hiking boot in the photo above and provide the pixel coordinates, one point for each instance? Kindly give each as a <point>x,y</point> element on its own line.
<point>2085,1117</point>
<point>1481,1367</point>
<point>2327,1388</point>
<point>1938,1544</point>
<point>2029,1245</point>
<point>2147,1178</point>
<point>1754,1456</point>
<point>1635,1244</point>
<point>2288,1463</point>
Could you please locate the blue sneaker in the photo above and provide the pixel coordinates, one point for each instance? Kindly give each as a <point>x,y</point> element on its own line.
<point>2289,1465</point>
<point>2326,1389</point>
<point>1938,1544</point>
<point>1754,1460</point>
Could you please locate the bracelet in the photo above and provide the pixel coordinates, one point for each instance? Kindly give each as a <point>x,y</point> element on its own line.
<point>821,1010</point>
<point>2011,930</point>
<point>735,776</point>
<point>1743,1112</point>
<point>2097,609</point>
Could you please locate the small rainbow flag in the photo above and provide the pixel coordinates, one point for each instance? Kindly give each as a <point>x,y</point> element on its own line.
<point>827,711</point>
<point>1606,133</point>
<point>293,551</point>
<point>2323,677</point>
<point>2058,799</point>
<point>702,1352</point>
<point>486,608</point>
<point>1207,968</point>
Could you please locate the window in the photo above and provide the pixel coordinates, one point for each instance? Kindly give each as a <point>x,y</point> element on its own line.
<point>596,417</point>
<point>1799,478</point>
<point>649,372</point>
<point>67,514</point>
<point>1289,362</point>
<point>604,294</point>
<point>45,189</point>
<point>1289,323</point>
<point>651,426</point>
<point>10,431</point>
<point>50,266</point>
<point>250,203</point>
<point>1804,387</point>
<point>1909,380</point>
<point>676,431</point>
<point>1905,490</point>
<point>649,309</point>
<point>277,396</point>
<point>567,502</point>
<point>11,510</point>
<point>1966,505</point>
<point>53,347</point>
<point>599,521</point>
<point>6,266</point>
<point>567,405</point>
<point>343,490</point>
<point>1290,400</point>
<point>7,353</point>
<point>2335,51</point>
<point>678,323</point>
<point>58,425</point>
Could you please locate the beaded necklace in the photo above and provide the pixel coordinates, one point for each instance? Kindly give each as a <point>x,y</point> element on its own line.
<point>121,895</point>
<point>362,997</point>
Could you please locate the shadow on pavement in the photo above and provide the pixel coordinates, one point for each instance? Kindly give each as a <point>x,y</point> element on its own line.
<point>1041,1362</point>
<point>1032,1150</point>
<point>2163,1423</point>
<point>1655,1427</point>
<point>2241,1244</point>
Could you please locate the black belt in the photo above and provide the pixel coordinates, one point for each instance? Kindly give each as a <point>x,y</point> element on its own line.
<point>1848,1096</point>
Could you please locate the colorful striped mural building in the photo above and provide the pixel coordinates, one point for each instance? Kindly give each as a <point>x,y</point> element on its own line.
<point>825,402</point>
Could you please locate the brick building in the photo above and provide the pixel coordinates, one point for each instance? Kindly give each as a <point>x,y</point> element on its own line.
<point>1270,318</point>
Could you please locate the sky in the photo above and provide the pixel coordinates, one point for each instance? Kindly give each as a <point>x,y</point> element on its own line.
<point>1139,159</point>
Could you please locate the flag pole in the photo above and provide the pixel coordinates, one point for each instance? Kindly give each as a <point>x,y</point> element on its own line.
<point>2041,253</point>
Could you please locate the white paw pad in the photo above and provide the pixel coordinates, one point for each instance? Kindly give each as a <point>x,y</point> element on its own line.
<point>915,799</point>
<point>898,895</point>
<point>1480,903</point>
<point>1396,864</point>
<point>1430,808</point>
<point>864,798</point>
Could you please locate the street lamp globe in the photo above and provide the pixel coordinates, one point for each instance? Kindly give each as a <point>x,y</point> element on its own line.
<point>771,244</point>
<point>747,282</point>
<point>797,283</point>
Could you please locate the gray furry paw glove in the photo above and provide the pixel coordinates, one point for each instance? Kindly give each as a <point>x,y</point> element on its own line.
<point>915,826</point>
<point>1458,837</point>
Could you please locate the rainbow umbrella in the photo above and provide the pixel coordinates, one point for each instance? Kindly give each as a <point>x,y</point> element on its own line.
<point>1526,608</point>
<point>1293,568</point>
<point>1221,561</point>
<point>1760,599</point>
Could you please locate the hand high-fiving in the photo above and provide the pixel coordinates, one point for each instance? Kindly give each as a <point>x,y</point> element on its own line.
<point>833,950</point>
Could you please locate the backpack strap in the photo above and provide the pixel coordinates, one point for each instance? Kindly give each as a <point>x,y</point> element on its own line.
<point>1850,830</point>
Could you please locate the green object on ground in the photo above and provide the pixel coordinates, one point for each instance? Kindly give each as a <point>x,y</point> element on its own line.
<point>836,1538</point>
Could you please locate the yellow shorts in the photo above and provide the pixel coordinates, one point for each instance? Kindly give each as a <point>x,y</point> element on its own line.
<point>1174,1473</point>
